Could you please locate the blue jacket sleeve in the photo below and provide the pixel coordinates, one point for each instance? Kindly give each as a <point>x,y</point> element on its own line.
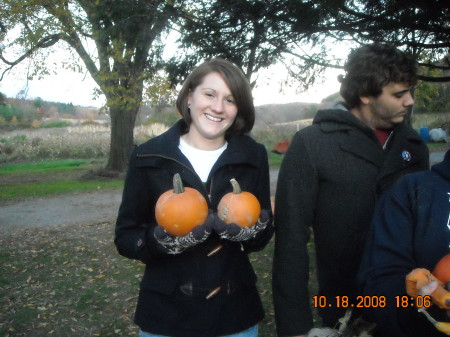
<point>388,258</point>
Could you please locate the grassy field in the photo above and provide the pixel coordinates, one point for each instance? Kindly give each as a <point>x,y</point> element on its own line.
<point>45,167</point>
<point>20,181</point>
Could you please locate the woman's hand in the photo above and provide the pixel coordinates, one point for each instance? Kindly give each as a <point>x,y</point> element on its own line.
<point>177,244</point>
<point>233,232</point>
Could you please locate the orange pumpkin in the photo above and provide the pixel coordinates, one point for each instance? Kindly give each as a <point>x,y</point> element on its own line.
<point>179,210</point>
<point>240,208</point>
<point>442,269</point>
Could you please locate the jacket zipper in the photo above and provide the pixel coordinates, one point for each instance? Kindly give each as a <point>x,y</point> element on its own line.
<point>210,189</point>
<point>387,140</point>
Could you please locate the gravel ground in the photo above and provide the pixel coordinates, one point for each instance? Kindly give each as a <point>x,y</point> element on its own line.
<point>67,209</point>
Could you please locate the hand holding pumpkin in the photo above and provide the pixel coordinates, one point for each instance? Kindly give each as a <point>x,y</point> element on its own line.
<point>239,207</point>
<point>173,245</point>
<point>183,218</point>
<point>239,215</point>
<point>181,209</point>
<point>233,232</point>
<point>422,282</point>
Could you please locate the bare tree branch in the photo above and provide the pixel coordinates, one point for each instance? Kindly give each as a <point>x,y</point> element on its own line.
<point>433,79</point>
<point>46,42</point>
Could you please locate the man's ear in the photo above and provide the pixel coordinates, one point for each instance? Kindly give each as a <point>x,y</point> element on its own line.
<point>365,99</point>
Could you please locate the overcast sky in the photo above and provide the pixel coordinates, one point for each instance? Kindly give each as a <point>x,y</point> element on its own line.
<point>78,88</point>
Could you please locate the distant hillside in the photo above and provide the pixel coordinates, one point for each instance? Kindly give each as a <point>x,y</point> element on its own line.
<point>270,114</point>
<point>266,115</point>
<point>29,109</point>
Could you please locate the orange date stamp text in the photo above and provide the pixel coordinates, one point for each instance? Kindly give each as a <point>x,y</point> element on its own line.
<point>370,301</point>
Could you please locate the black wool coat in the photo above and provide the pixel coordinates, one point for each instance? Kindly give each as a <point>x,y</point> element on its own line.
<point>173,289</point>
<point>330,179</point>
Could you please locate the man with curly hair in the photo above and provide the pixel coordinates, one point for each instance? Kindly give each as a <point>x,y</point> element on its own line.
<point>329,181</point>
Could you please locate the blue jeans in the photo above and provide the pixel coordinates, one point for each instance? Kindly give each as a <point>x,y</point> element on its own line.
<point>252,332</point>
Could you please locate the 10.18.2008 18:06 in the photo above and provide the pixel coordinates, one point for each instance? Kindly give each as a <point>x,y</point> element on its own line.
<point>370,302</point>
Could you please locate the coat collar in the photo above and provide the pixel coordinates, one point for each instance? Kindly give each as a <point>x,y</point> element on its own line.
<point>240,149</point>
<point>163,152</point>
<point>405,144</point>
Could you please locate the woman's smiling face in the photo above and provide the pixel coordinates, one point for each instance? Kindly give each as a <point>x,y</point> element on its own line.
<point>213,110</point>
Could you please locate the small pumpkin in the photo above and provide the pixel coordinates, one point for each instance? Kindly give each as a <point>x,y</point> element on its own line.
<point>181,209</point>
<point>442,269</point>
<point>238,207</point>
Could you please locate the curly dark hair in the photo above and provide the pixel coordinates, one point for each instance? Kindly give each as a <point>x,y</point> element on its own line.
<point>373,66</point>
<point>239,87</point>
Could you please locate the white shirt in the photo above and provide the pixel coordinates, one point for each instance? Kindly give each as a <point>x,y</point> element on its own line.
<point>201,160</point>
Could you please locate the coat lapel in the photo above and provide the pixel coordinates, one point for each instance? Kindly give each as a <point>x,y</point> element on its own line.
<point>405,151</point>
<point>354,141</point>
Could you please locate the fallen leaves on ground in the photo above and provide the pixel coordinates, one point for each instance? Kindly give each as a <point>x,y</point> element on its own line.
<point>70,281</point>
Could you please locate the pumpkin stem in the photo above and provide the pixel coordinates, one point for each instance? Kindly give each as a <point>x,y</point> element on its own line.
<point>236,187</point>
<point>177,184</point>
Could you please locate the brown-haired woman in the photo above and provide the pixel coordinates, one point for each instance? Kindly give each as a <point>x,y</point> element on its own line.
<point>201,284</point>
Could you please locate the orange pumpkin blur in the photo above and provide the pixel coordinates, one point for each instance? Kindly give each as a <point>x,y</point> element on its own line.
<point>181,209</point>
<point>240,208</point>
<point>442,269</point>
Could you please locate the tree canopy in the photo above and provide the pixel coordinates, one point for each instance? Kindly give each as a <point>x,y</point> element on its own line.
<point>118,42</point>
<point>421,27</point>
<point>256,34</point>
<point>248,33</point>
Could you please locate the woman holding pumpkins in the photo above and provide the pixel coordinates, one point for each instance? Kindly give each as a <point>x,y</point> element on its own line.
<point>198,282</point>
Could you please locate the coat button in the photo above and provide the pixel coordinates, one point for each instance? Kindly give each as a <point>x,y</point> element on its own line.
<point>213,292</point>
<point>215,250</point>
<point>139,242</point>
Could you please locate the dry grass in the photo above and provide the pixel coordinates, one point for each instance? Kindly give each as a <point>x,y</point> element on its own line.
<point>431,121</point>
<point>85,141</point>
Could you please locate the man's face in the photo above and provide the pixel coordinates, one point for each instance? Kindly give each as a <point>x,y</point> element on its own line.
<point>390,108</point>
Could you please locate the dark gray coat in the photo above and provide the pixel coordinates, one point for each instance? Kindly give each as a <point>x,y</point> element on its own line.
<point>172,296</point>
<point>329,181</point>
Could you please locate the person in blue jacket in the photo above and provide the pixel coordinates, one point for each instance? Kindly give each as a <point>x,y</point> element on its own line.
<point>201,284</point>
<point>410,229</point>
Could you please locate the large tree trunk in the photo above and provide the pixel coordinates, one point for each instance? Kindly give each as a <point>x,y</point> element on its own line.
<point>122,137</point>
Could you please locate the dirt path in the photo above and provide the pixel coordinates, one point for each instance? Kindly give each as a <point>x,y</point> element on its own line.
<point>82,208</point>
<point>67,209</point>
